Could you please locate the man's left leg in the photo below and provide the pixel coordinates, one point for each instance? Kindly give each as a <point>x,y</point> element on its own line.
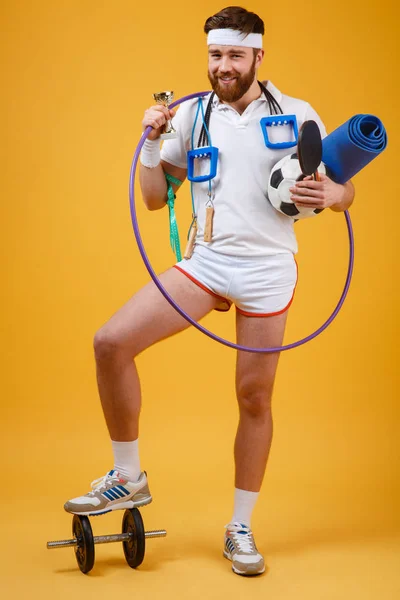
<point>255,375</point>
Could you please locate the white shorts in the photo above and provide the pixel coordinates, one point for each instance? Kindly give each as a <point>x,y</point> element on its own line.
<point>262,286</point>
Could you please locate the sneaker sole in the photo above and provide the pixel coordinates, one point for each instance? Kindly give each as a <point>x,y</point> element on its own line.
<point>119,506</point>
<point>245,573</point>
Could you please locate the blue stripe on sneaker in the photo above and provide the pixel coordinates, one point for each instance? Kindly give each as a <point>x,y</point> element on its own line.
<point>111,472</point>
<point>121,487</point>
<point>113,494</point>
<point>108,496</point>
<point>117,491</point>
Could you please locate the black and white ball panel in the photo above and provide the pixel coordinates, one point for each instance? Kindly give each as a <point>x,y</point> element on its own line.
<point>283,176</point>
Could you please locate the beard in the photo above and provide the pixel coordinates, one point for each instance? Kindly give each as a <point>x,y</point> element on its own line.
<point>236,90</point>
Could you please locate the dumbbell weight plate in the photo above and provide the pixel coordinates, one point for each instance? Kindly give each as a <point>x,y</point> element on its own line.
<point>84,550</point>
<point>134,548</point>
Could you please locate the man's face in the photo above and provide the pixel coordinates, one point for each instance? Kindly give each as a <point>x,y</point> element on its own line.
<point>232,70</point>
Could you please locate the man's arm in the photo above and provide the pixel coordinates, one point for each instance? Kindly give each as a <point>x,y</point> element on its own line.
<point>152,169</point>
<point>154,185</point>
<point>347,198</point>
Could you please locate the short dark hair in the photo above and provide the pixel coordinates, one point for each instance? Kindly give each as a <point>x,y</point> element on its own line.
<point>235,17</point>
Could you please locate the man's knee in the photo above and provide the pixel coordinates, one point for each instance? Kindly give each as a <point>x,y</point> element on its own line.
<point>107,345</point>
<point>255,400</point>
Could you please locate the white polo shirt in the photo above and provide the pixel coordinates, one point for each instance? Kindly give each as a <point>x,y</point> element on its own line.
<point>245,222</point>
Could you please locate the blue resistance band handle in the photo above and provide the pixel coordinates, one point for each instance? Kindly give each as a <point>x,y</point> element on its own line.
<point>210,152</point>
<point>279,121</point>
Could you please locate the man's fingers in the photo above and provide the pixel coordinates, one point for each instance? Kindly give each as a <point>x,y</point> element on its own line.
<point>307,205</point>
<point>314,193</point>
<point>155,123</point>
<point>307,202</point>
<point>160,108</point>
<point>309,183</point>
<point>156,117</point>
<point>157,111</point>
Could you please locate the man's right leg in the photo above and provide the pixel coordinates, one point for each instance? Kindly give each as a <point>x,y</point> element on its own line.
<point>144,320</point>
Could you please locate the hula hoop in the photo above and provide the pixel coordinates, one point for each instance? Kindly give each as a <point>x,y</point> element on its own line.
<point>179,309</point>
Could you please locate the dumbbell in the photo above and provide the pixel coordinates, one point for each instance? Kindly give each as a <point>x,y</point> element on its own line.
<point>133,539</point>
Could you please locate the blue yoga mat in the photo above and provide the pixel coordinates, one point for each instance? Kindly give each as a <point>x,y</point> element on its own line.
<point>352,146</point>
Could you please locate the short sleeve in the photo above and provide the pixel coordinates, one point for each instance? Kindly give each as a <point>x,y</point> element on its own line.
<point>312,115</point>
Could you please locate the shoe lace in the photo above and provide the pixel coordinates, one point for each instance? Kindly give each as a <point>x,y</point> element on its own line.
<point>243,538</point>
<point>99,484</point>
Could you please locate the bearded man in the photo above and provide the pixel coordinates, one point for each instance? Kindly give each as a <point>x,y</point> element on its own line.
<point>241,252</point>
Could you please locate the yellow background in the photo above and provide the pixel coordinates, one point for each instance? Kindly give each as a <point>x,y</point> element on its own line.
<point>77,77</point>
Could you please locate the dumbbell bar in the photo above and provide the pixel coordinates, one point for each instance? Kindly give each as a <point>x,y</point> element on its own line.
<point>106,539</point>
<point>133,538</point>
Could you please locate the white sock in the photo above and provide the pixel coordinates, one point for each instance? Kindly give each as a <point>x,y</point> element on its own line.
<point>243,507</point>
<point>126,459</point>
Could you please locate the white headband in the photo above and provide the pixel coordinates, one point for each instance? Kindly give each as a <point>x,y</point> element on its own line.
<point>233,37</point>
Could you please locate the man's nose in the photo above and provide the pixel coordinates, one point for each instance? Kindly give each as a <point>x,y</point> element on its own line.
<point>225,64</point>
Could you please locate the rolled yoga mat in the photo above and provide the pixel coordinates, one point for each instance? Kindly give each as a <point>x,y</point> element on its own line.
<point>352,146</point>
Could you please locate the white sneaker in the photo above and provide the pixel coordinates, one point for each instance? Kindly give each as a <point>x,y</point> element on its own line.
<point>111,492</point>
<point>240,548</point>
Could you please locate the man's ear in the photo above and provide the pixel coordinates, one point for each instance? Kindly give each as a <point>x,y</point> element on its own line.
<point>260,58</point>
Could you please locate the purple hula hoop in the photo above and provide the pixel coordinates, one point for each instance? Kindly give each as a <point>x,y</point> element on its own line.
<point>182,312</point>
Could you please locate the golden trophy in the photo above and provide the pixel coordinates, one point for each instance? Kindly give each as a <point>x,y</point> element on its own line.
<point>165,98</point>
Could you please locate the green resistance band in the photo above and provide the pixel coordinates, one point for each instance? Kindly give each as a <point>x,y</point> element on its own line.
<point>173,225</point>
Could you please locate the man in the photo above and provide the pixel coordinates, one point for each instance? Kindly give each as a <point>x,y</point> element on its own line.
<point>247,258</point>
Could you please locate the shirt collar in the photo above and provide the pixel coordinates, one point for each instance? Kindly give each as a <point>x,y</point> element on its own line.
<point>270,87</point>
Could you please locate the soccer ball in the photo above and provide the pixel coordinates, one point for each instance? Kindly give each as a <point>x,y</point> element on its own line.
<point>283,176</point>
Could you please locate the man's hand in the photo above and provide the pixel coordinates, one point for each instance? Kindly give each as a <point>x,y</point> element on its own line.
<point>156,117</point>
<point>322,194</point>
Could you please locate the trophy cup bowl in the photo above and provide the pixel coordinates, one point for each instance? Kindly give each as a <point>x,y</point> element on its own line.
<point>165,98</point>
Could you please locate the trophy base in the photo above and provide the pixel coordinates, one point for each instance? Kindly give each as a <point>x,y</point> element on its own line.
<point>171,135</point>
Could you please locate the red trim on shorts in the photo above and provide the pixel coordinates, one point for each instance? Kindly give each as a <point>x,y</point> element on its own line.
<point>279,312</point>
<point>203,287</point>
